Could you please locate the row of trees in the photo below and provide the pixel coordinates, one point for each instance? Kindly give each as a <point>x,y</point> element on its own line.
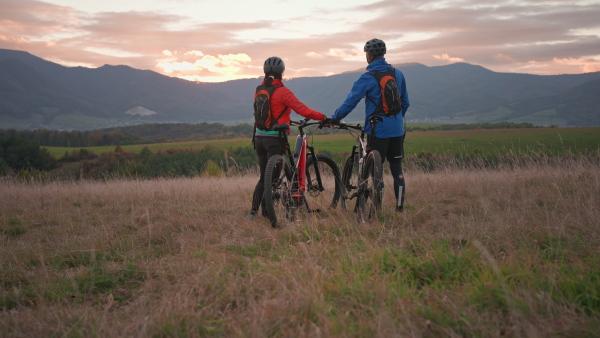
<point>74,138</point>
<point>167,132</point>
<point>20,151</point>
<point>19,155</point>
<point>169,163</point>
<point>142,134</point>
<point>28,161</point>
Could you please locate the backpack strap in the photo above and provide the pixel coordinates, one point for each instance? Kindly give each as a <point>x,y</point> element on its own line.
<point>283,111</point>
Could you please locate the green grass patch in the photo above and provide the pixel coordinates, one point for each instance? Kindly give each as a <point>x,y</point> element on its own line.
<point>485,141</point>
<point>93,283</point>
<point>155,147</point>
<point>13,227</point>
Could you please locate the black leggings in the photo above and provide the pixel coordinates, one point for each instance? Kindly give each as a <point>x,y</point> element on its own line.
<point>392,149</point>
<point>266,147</point>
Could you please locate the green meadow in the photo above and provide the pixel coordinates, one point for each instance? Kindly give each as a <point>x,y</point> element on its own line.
<point>476,253</point>
<point>556,141</point>
<point>486,246</point>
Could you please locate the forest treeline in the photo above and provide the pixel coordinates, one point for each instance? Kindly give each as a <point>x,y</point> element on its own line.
<point>140,134</point>
<point>165,163</point>
<point>22,152</point>
<point>25,159</point>
<point>169,132</point>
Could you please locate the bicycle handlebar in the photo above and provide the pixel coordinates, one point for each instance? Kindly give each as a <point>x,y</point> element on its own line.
<point>343,125</point>
<point>340,125</point>
<point>373,119</point>
<point>304,123</point>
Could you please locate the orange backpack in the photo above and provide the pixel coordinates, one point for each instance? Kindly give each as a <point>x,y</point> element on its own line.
<point>390,95</point>
<point>264,118</point>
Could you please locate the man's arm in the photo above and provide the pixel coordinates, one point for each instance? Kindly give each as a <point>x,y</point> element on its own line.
<point>359,89</point>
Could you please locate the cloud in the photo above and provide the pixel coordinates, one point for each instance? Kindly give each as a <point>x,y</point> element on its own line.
<point>448,58</point>
<point>542,37</point>
<point>206,68</point>
<point>587,65</point>
<point>195,52</point>
<point>341,53</point>
<point>311,55</point>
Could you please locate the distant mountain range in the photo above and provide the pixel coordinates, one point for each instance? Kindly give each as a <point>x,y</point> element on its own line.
<point>35,93</point>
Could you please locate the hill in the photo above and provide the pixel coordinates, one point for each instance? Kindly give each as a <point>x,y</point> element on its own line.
<point>41,94</point>
<point>26,92</point>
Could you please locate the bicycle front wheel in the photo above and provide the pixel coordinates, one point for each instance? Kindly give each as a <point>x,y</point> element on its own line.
<point>278,200</point>
<point>323,183</point>
<point>371,188</point>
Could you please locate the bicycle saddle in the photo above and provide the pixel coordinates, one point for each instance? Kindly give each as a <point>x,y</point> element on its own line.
<point>281,127</point>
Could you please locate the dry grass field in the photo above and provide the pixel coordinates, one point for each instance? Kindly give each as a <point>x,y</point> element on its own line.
<point>477,253</point>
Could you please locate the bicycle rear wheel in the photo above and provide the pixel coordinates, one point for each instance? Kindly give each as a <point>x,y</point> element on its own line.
<point>327,195</point>
<point>349,180</point>
<point>278,200</point>
<point>371,188</point>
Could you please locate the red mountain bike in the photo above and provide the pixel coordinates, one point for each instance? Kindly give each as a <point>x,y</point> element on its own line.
<point>299,179</point>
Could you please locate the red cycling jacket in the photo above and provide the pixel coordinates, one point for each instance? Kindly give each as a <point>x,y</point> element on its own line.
<point>283,98</point>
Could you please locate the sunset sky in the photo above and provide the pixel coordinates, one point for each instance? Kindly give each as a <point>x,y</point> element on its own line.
<point>222,40</point>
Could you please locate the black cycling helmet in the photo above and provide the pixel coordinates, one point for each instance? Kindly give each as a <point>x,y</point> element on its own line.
<point>375,47</point>
<point>274,64</point>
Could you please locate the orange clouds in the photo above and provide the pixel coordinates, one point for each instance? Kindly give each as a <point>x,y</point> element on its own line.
<point>220,67</point>
<point>587,65</point>
<point>505,35</point>
<point>446,57</point>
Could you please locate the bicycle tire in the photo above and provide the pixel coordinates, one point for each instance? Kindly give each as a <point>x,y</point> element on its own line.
<point>349,180</point>
<point>328,198</point>
<point>278,199</point>
<point>371,192</point>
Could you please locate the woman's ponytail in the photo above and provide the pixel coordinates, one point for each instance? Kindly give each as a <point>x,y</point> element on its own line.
<point>270,76</point>
<point>269,80</point>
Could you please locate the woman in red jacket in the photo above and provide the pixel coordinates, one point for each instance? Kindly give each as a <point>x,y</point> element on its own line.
<point>267,142</point>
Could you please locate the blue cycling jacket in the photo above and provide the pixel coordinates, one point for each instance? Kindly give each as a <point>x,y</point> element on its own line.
<point>367,85</point>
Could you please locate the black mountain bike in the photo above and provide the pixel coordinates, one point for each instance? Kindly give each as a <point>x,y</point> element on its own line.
<point>299,179</point>
<point>362,176</point>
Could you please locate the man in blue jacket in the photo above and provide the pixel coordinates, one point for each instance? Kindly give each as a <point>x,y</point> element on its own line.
<point>389,134</point>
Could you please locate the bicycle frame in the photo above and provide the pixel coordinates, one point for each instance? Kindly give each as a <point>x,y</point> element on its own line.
<point>361,148</point>
<point>300,158</point>
<point>298,178</point>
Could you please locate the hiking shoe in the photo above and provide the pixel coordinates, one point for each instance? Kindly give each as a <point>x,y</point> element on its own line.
<point>250,216</point>
<point>400,209</point>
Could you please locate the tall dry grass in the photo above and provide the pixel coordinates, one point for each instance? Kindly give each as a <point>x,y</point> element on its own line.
<point>476,253</point>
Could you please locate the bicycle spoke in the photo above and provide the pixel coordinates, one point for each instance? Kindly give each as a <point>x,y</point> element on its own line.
<point>323,185</point>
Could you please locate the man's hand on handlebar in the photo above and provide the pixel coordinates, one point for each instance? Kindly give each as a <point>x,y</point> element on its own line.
<point>328,122</point>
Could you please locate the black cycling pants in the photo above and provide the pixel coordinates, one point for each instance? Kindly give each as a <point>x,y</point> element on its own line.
<point>266,147</point>
<point>392,149</point>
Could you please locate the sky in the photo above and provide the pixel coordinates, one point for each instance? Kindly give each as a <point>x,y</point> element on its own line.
<point>220,40</point>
